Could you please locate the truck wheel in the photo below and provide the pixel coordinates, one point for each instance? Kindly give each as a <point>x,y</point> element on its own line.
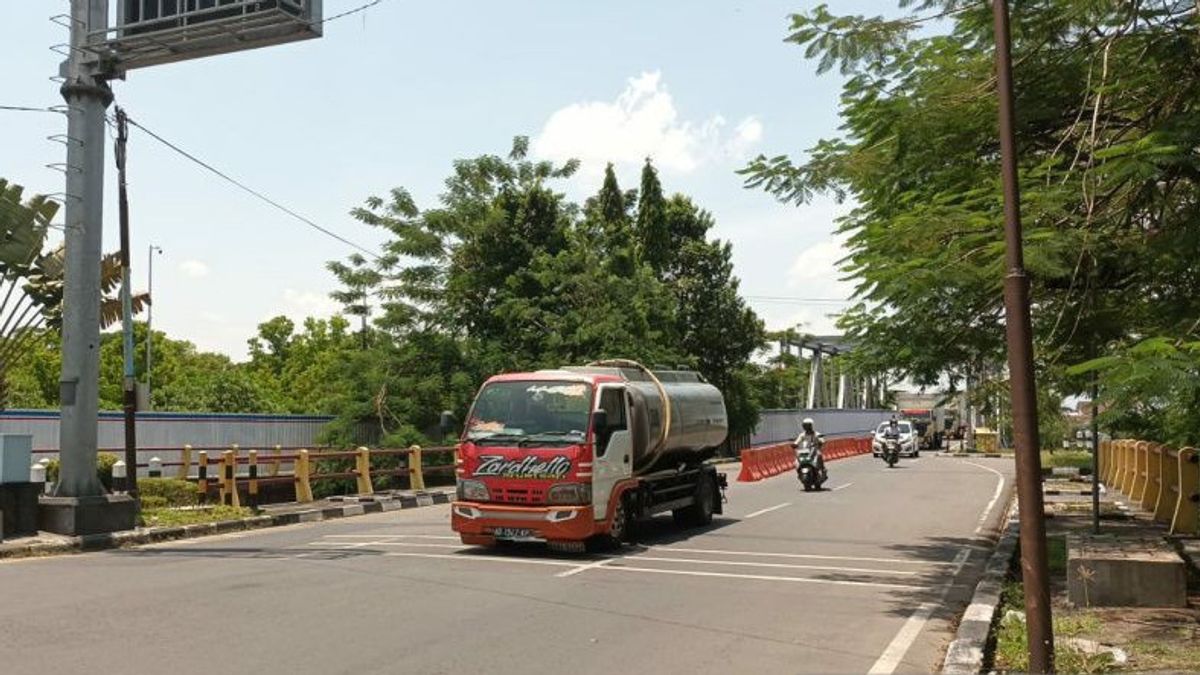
<point>618,533</point>
<point>700,513</point>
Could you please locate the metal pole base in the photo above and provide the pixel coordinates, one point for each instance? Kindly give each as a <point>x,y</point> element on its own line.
<point>80,516</point>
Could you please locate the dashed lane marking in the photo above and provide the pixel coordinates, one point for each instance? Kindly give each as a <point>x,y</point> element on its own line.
<point>810,556</point>
<point>759,512</point>
<point>840,487</point>
<point>589,566</point>
<point>746,563</point>
<point>763,577</point>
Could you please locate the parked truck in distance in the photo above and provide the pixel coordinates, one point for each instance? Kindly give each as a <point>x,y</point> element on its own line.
<point>576,456</point>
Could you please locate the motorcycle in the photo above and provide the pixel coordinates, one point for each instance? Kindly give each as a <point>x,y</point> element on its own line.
<point>891,451</point>
<point>811,477</point>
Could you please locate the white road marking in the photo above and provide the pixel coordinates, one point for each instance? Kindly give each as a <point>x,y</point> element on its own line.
<point>894,653</point>
<point>987,511</point>
<point>840,487</point>
<point>390,536</point>
<point>762,577</point>
<point>767,510</point>
<point>482,558</point>
<point>342,546</point>
<point>589,566</point>
<point>898,647</point>
<point>696,561</point>
<point>809,556</point>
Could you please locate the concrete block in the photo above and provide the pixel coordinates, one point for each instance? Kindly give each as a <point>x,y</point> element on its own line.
<point>16,452</point>
<point>79,516</point>
<point>19,504</point>
<point>1110,572</point>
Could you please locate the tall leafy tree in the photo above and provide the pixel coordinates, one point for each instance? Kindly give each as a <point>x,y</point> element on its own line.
<point>653,233</point>
<point>1107,120</point>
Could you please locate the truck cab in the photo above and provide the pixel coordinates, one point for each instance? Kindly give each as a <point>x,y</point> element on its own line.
<point>563,457</point>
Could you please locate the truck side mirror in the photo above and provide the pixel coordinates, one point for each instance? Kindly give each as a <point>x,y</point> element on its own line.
<point>599,423</point>
<point>447,424</point>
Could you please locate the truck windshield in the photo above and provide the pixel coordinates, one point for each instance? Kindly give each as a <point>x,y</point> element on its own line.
<point>545,412</point>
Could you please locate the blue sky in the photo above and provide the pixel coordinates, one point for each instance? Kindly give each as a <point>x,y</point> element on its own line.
<point>391,96</point>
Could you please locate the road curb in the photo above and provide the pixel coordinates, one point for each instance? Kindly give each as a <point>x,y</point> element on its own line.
<point>965,654</point>
<point>151,535</point>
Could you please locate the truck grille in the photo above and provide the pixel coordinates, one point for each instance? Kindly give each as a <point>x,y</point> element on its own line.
<point>519,495</point>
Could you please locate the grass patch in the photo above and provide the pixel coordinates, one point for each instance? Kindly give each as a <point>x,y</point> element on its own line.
<point>1079,459</point>
<point>1056,555</point>
<point>168,517</point>
<point>1012,642</point>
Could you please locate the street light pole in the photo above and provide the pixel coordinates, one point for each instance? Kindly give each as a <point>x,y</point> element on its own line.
<point>150,322</point>
<point>1034,570</point>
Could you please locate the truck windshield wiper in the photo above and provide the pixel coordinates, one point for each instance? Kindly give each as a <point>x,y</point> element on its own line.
<point>496,437</point>
<point>551,437</point>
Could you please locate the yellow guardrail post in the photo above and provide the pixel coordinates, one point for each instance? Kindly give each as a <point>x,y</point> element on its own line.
<point>1168,486</point>
<point>1153,478</point>
<point>1141,456</point>
<point>185,462</point>
<point>1106,462</point>
<point>230,476</point>
<point>1185,519</point>
<point>416,477</point>
<point>275,464</point>
<point>1128,465</point>
<point>301,479</point>
<point>202,476</point>
<point>362,467</point>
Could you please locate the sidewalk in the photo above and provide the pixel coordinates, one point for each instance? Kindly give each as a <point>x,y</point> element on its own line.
<point>1100,639</point>
<point>270,515</point>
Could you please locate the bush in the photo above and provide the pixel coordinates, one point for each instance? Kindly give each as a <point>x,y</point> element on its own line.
<point>104,465</point>
<point>153,502</point>
<point>172,491</point>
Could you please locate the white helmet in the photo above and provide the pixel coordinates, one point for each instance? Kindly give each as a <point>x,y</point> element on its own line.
<point>808,421</point>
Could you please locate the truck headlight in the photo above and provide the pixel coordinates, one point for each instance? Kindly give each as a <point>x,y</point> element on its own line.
<point>473,490</point>
<point>570,493</point>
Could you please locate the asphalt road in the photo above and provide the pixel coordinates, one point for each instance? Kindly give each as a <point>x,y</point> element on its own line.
<point>868,576</point>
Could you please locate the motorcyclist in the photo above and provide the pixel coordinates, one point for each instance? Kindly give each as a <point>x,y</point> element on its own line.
<point>808,432</point>
<point>893,430</point>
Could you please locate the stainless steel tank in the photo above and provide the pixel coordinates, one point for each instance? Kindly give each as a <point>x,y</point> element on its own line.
<point>698,423</point>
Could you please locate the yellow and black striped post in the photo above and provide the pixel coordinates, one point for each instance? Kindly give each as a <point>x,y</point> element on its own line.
<point>362,469</point>
<point>253,470</point>
<point>303,486</point>
<point>416,476</point>
<point>202,476</point>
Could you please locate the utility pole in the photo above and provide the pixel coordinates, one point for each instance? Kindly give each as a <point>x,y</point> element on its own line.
<point>80,504</point>
<point>87,95</point>
<point>1095,455</point>
<point>1034,570</point>
<point>150,324</point>
<point>130,382</point>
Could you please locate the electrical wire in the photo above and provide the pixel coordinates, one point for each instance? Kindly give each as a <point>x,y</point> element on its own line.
<point>252,191</point>
<point>21,108</point>
<point>346,13</point>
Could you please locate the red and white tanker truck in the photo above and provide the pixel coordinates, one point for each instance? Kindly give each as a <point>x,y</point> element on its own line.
<point>578,455</point>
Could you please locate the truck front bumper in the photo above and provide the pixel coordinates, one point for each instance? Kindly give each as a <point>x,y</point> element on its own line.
<point>477,522</point>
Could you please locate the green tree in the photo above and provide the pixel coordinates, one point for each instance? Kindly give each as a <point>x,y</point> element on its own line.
<point>1107,115</point>
<point>653,233</point>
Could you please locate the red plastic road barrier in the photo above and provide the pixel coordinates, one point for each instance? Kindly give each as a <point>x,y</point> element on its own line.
<point>772,460</point>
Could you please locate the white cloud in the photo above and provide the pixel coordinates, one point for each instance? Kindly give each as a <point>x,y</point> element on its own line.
<point>642,122</point>
<point>193,268</point>
<point>299,305</point>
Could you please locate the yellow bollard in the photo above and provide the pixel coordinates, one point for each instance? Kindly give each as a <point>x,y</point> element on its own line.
<point>362,467</point>
<point>185,462</point>
<point>275,464</point>
<point>303,484</point>
<point>1168,486</point>
<point>416,478</point>
<point>1185,518</point>
<point>1153,479</point>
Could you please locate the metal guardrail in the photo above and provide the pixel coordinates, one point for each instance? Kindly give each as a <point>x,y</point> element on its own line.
<point>228,478</point>
<point>1164,482</point>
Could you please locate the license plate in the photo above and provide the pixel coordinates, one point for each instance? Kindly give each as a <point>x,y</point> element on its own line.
<point>515,534</point>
